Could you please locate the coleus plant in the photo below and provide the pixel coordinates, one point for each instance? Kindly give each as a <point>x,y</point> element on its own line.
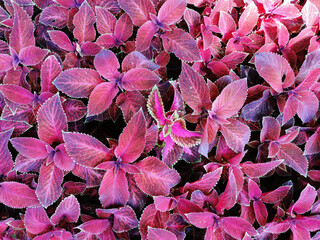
<point>100,99</point>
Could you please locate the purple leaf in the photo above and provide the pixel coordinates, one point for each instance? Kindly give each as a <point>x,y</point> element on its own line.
<point>49,184</point>
<point>37,221</point>
<point>22,31</point>
<point>52,120</point>
<point>271,129</point>
<point>74,109</point>
<point>181,44</point>
<point>229,196</point>
<point>5,62</point>
<point>137,60</point>
<point>107,58</point>
<point>101,98</point>
<point>17,195</point>
<point>78,82</point>
<point>83,21</point>
<point>32,55</point>
<point>144,35</point>
<point>16,94</point>
<point>54,16</point>
<point>50,69</point>
<point>84,149</point>
<point>132,139</point>
<point>194,89</point>
<point>313,144</point>
<point>30,147</point>
<point>68,209</point>
<point>156,178</point>
<point>6,162</point>
<point>113,190</point>
<point>139,79</point>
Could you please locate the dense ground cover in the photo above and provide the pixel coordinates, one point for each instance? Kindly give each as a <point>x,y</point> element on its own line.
<point>159,119</point>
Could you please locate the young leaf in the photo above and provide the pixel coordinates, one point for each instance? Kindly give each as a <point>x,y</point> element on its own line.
<point>68,209</point>
<point>107,58</point>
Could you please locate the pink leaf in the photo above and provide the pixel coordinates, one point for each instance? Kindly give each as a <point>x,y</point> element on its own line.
<point>171,152</point>
<point>107,64</point>
<point>95,226</point>
<point>132,139</point>
<point>208,136</point>
<point>61,40</point>
<point>49,184</point>
<point>61,158</point>
<point>229,196</point>
<point>156,233</point>
<point>181,44</point>
<point>313,144</point>
<point>226,105</point>
<point>260,211</point>
<point>194,89</point>
<point>83,21</point>
<point>54,16</point>
<point>156,178</point>
<point>68,209</point>
<point>192,19</point>
<point>17,94</point>
<point>106,21</point>
<point>171,11</point>
<point>226,24</point>
<point>139,79</point>
<point>233,59</point>
<point>248,19</point>
<point>183,137</point>
<point>271,129</point>
<point>237,227</point>
<point>236,134</point>
<point>276,195</point>
<point>257,170</point>
<point>30,147</point>
<point>306,200</point>
<point>272,67</point>
<point>155,106</point>
<point>138,10</point>
<point>164,204</point>
<point>130,103</point>
<point>84,149</point>
<point>290,108</point>
<point>74,109</point>
<point>206,183</point>
<point>123,28</point>
<point>22,31</point>
<point>137,60</point>
<point>17,195</point>
<point>52,120</point>
<point>37,221</point>
<point>309,80</point>
<point>5,62</point>
<point>113,190</point>
<point>308,105</point>
<point>101,98</point>
<point>201,219</point>
<point>6,162</point>
<point>78,82</point>
<point>50,69</point>
<point>144,35</point>
<point>292,156</point>
<point>32,55</point>
<point>254,190</point>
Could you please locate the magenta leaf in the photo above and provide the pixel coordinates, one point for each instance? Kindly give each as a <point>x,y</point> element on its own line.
<point>68,209</point>
<point>83,21</point>
<point>52,120</point>
<point>84,149</point>
<point>137,60</point>
<point>164,204</point>
<point>130,103</point>
<point>313,144</point>
<point>107,58</point>
<point>105,21</point>
<point>61,40</point>
<point>292,156</point>
<point>78,82</point>
<point>49,184</point>
<point>61,158</point>
<point>254,190</point>
<point>272,68</point>
<point>50,69</point>
<point>156,233</point>
<point>308,105</point>
<point>229,196</point>
<point>139,79</point>
<point>132,140</point>
<point>138,10</point>
<point>225,105</point>
<point>54,16</point>
<point>37,221</point>
<point>74,109</point>
<point>257,170</point>
<point>6,62</point>
<point>17,94</point>
<point>181,44</point>
<point>6,162</point>
<point>248,19</point>
<point>123,29</point>
<point>276,195</point>
<point>113,190</point>
<point>156,178</point>
<point>101,98</point>
<point>95,226</point>
<point>32,55</point>
<point>155,106</point>
<point>237,227</point>
<point>201,219</point>
<point>144,35</point>
<point>22,31</point>
<point>271,129</point>
<point>171,11</point>
<point>306,200</point>
<point>260,212</point>
<point>17,195</point>
<point>194,89</point>
<point>183,137</point>
<point>30,147</point>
